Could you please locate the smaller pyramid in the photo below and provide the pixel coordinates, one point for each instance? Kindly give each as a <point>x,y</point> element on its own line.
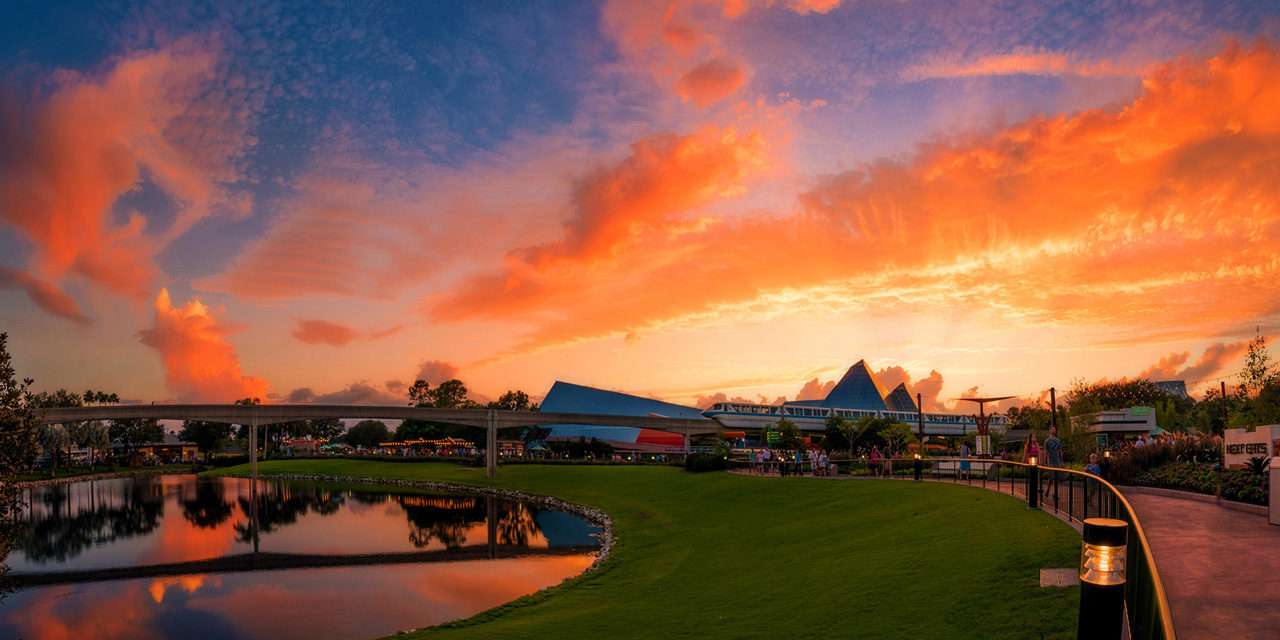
<point>900,399</point>
<point>856,390</point>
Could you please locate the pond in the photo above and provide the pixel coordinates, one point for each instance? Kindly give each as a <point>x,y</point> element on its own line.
<point>180,556</point>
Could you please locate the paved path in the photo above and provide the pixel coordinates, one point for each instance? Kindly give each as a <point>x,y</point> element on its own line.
<point>1221,568</point>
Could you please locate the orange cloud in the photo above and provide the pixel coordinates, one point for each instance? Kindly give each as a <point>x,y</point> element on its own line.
<point>615,209</point>
<point>803,7</point>
<point>929,388</point>
<point>1157,213</point>
<point>815,390</point>
<point>45,295</point>
<point>1216,357</point>
<point>711,81</point>
<point>336,334</point>
<point>66,157</point>
<point>1035,63</point>
<point>199,363</point>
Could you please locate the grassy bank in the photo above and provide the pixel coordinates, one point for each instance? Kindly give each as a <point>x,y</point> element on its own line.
<point>721,556</point>
<point>76,472</point>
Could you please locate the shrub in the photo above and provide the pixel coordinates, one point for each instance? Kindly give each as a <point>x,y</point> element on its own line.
<point>699,462</point>
<point>1240,485</point>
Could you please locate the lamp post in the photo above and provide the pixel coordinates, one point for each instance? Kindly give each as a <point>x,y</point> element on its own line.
<point>1102,578</point>
<point>917,467</point>
<point>1033,484</point>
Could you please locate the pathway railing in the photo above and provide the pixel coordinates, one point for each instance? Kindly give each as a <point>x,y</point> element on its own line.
<point>1073,495</point>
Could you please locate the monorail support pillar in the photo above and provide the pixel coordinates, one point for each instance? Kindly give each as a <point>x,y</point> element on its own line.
<point>491,446</point>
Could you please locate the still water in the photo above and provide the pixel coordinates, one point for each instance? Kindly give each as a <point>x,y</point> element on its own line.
<point>197,551</point>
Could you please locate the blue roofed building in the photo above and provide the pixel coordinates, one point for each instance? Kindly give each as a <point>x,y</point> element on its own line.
<point>566,397</point>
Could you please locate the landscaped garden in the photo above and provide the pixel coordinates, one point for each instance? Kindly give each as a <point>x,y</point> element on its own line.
<point>718,555</point>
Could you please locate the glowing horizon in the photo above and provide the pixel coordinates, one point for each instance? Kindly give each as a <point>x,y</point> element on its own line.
<point>673,199</point>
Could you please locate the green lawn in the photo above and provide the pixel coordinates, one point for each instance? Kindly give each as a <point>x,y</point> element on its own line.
<point>720,556</point>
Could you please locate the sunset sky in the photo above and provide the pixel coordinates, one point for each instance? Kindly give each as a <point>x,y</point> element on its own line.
<point>675,199</point>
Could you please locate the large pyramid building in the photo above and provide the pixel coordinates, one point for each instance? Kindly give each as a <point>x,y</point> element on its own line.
<point>858,389</point>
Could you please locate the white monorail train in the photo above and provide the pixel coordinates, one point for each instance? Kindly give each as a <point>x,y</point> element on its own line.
<point>755,417</point>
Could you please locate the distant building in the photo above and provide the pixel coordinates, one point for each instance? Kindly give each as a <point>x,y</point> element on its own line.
<point>1123,422</point>
<point>1176,388</point>
<point>172,450</point>
<point>565,397</point>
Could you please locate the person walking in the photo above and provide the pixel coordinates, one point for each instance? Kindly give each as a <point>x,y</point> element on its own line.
<point>875,461</point>
<point>1052,458</point>
<point>964,460</point>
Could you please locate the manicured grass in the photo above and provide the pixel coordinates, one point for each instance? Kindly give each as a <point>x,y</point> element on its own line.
<point>721,556</point>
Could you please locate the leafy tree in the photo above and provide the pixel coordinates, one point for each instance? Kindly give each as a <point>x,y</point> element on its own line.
<point>788,435</point>
<point>420,394</point>
<point>512,401</point>
<point>367,433</point>
<point>54,440</point>
<point>840,434</point>
<point>1258,371</point>
<point>19,435</point>
<point>1087,398</point>
<point>208,436</point>
<point>450,394</point>
<point>897,436</point>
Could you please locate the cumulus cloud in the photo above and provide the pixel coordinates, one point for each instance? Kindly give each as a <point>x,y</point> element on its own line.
<point>815,390</point>
<point>68,156</point>
<point>929,388</point>
<point>355,393</point>
<point>199,363</point>
<point>1159,212</point>
<point>336,334</point>
<point>711,81</point>
<point>45,295</point>
<point>1214,358</point>
<point>436,371</point>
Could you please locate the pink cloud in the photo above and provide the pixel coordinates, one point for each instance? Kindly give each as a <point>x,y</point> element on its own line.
<point>45,295</point>
<point>66,157</point>
<point>711,81</point>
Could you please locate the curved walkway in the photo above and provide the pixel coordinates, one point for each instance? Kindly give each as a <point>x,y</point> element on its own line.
<point>1221,567</point>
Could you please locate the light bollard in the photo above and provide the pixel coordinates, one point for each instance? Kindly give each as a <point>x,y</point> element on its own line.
<point>917,467</point>
<point>1033,484</point>
<point>1102,577</point>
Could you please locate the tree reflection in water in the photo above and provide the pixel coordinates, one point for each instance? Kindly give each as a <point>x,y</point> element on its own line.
<point>208,508</point>
<point>64,520</point>
<point>281,504</point>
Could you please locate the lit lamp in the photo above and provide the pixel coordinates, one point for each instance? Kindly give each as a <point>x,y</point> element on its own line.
<point>917,467</point>
<point>1102,577</point>
<point>1033,484</point>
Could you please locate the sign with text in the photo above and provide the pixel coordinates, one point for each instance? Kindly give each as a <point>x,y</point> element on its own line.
<point>1242,445</point>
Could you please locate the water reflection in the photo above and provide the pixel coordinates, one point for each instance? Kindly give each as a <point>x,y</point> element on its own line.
<point>169,519</point>
<point>89,528</point>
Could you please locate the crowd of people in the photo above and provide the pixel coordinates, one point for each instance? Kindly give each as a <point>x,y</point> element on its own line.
<point>809,461</point>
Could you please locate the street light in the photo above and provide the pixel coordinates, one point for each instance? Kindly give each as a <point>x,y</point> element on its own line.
<point>1102,577</point>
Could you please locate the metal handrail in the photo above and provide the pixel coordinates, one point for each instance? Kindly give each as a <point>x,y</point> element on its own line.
<point>1115,505</point>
